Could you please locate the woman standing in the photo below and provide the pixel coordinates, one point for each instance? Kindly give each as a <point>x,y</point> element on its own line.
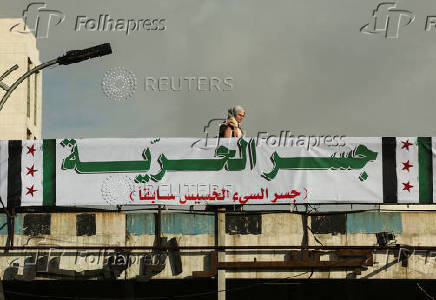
<point>232,126</point>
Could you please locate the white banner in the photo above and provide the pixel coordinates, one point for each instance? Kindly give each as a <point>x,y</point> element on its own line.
<point>186,171</point>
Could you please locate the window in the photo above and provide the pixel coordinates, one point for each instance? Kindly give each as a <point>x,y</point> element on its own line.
<point>36,224</point>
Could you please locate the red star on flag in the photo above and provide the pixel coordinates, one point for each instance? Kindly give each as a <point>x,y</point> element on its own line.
<point>406,166</point>
<point>30,190</point>
<point>407,186</point>
<point>406,145</point>
<point>31,170</point>
<point>31,150</point>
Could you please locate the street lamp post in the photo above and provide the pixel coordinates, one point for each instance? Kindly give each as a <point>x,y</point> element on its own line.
<point>71,57</point>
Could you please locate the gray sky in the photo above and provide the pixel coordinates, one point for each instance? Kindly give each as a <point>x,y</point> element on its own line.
<point>298,65</point>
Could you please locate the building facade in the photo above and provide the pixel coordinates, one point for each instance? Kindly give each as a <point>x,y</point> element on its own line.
<point>21,116</point>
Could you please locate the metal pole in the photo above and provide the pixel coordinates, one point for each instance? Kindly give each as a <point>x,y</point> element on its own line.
<point>71,57</point>
<point>221,215</point>
<point>21,79</point>
<point>158,228</point>
<point>12,232</point>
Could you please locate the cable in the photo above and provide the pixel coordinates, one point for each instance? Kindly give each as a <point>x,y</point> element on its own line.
<point>424,291</point>
<point>314,236</point>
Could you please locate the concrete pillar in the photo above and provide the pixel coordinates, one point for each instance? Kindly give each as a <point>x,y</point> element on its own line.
<point>221,254</point>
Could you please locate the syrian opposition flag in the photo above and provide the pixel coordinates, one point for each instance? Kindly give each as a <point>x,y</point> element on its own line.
<point>27,175</point>
<point>408,170</point>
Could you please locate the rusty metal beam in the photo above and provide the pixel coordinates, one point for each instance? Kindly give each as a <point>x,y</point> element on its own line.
<point>304,259</point>
<point>286,265</point>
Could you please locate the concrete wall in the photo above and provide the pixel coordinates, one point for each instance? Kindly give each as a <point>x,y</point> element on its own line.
<point>137,229</point>
<point>14,121</point>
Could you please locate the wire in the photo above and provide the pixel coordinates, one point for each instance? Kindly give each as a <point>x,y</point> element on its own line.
<point>314,236</point>
<point>4,208</point>
<point>309,212</point>
<point>424,291</point>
